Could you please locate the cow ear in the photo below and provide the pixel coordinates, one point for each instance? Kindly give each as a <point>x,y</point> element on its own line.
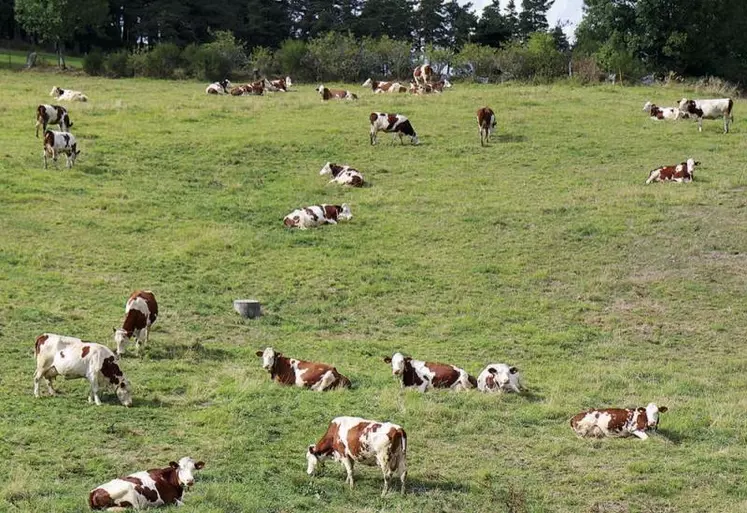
<point>387,359</point>
<point>173,464</point>
<point>114,330</point>
<point>663,409</point>
<point>199,465</point>
<point>513,370</point>
<point>258,353</point>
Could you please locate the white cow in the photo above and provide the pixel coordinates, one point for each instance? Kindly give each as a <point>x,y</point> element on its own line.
<point>60,142</point>
<point>709,109</point>
<point>52,115</point>
<point>668,113</point>
<point>222,87</point>
<point>68,95</point>
<point>317,215</point>
<point>396,124</point>
<point>342,174</point>
<point>499,377</point>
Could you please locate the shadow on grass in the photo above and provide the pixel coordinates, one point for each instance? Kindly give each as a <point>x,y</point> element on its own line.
<point>196,351</point>
<point>509,138</point>
<point>672,436</point>
<point>421,486</point>
<point>531,396</point>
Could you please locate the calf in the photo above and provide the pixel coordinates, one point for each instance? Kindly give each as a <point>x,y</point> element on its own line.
<point>221,87</point>
<point>336,94</point>
<point>668,113</point>
<point>618,422</point>
<point>68,95</point>
<point>317,215</point>
<point>709,109</point>
<point>60,142</point>
<point>289,371</point>
<point>423,74</point>
<point>344,174</point>
<point>486,123</point>
<point>425,375</point>
<point>499,377</point>
<point>352,439</point>
<point>52,115</point>
<point>146,489</point>
<point>72,358</point>
<point>680,173</point>
<point>396,124</point>
<point>141,311</point>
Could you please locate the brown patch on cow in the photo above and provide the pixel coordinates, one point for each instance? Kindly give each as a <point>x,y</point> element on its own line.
<point>125,504</point>
<point>86,350</point>
<point>392,120</point>
<point>373,117</point>
<point>291,222</point>
<point>385,86</point>
<point>311,213</point>
<point>336,169</point>
<point>356,181</point>
<point>397,439</point>
<point>100,499</point>
<point>312,372</point>
<point>150,301</point>
<point>330,442</point>
<point>332,211</point>
<point>578,418</point>
<point>134,320</point>
<point>444,375</point>
<point>167,484</point>
<point>642,420</point>
<point>619,418</point>
<point>48,139</point>
<point>484,116</point>
<point>40,342</point>
<point>282,371</point>
<point>410,377</point>
<point>111,370</point>
<point>341,381</point>
<point>355,433</point>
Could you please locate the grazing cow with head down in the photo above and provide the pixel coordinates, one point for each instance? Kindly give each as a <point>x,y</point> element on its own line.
<point>60,142</point>
<point>668,113</point>
<point>424,375</point>
<point>683,172</point>
<point>396,124</point>
<point>317,215</point>
<point>68,95</point>
<point>146,489</point>
<point>342,174</point>
<point>618,422</point>
<point>335,94</point>
<point>486,122</point>
<point>222,87</point>
<point>141,311</point>
<point>499,377</point>
<point>289,371</point>
<point>423,74</point>
<point>72,358</point>
<point>52,115</point>
<point>353,439</point>
<point>709,109</point>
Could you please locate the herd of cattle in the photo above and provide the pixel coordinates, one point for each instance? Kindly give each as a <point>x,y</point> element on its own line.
<point>347,439</point>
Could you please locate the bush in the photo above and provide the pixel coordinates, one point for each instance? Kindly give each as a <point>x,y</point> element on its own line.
<point>479,61</point>
<point>159,62</point>
<point>262,60</point>
<point>388,58</point>
<point>336,56</point>
<point>291,60</point>
<point>93,63</point>
<point>544,59</point>
<point>118,64</point>
<point>217,60</point>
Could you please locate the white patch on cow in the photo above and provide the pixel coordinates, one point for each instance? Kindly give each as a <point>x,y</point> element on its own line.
<point>62,142</point>
<point>268,358</point>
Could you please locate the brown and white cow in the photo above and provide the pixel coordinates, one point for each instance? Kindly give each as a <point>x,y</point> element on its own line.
<point>618,421</point>
<point>343,174</point>
<point>385,87</point>
<point>660,113</point>
<point>255,88</point>
<point>709,109</point>
<point>499,377</point>
<point>56,143</point>
<point>317,215</point>
<point>423,74</point>
<point>141,311</point>
<point>279,85</point>
<point>146,489</point>
<point>683,172</point>
<point>289,371</point>
<point>52,115</point>
<point>486,122</point>
<point>221,87</point>
<point>424,375</point>
<point>353,439</point>
<point>71,358</point>
<point>396,124</point>
<point>439,86</point>
<point>335,94</point>
<point>67,95</point>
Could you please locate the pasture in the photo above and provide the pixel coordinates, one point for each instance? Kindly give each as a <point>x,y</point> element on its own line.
<point>545,251</point>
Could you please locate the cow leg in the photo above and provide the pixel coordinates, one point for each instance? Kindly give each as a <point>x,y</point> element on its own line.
<point>700,124</point>
<point>49,375</point>
<point>45,159</point>
<point>348,463</point>
<point>94,390</point>
<point>640,434</point>
<point>726,123</point>
<point>383,461</point>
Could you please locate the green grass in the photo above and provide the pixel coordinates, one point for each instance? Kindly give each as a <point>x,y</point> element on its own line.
<point>17,59</point>
<point>544,250</point>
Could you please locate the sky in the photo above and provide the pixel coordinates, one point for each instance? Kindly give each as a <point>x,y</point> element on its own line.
<point>561,10</point>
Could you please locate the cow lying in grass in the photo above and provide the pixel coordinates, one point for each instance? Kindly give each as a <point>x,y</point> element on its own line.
<point>289,371</point>
<point>668,113</point>
<point>342,174</point>
<point>67,95</point>
<point>499,377</point>
<point>317,215</point>
<point>385,87</point>
<point>618,422</point>
<point>335,94</point>
<point>424,375</point>
<point>221,87</point>
<point>683,172</point>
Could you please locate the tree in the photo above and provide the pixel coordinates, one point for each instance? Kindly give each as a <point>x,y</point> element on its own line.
<point>512,19</point>
<point>492,29</point>
<point>266,23</point>
<point>393,18</point>
<point>533,17</point>
<point>430,22</point>
<point>460,23</point>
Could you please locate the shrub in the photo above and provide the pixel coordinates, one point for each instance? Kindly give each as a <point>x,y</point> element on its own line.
<point>118,64</point>
<point>159,62</point>
<point>262,60</point>
<point>93,63</point>
<point>479,61</point>
<point>336,56</point>
<point>218,59</point>
<point>291,59</point>
<point>388,58</point>
<point>545,62</point>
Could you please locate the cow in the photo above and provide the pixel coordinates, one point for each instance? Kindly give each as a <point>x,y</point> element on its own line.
<point>439,86</point>
<point>317,215</point>
<point>486,122</point>
<point>423,74</point>
<point>221,87</point>
<point>342,174</point>
<point>668,113</point>
<point>71,358</point>
<point>424,375</point>
<point>255,88</point>
<point>499,377</point>
<point>709,109</point>
<point>141,311</point>
<point>396,124</point>
<point>353,439</point>
<point>60,142</point>
<point>146,489</point>
<point>68,95</point>
<point>335,94</point>
<point>617,421</point>
<point>289,371</point>
<point>384,87</point>
<point>683,172</point>
<point>52,115</point>
<point>280,85</point>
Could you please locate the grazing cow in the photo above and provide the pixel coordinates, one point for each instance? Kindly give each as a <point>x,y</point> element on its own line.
<point>68,95</point>
<point>146,489</point>
<point>60,142</point>
<point>618,421</point>
<point>317,215</point>
<point>353,439</point>
<point>486,122</point>
<point>289,371</point>
<point>396,124</point>
<point>425,375</point>
<point>680,173</point>
<point>342,174</point>
<point>385,87</point>
<point>141,311</point>
<point>423,74</point>
<point>280,85</point>
<point>221,87</point>
<point>668,113</point>
<point>709,109</point>
<point>71,358</point>
<point>52,115</point>
<point>335,94</point>
<point>499,377</point>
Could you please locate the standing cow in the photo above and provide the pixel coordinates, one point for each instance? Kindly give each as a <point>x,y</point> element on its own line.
<point>396,124</point>
<point>353,439</point>
<point>289,371</point>
<point>618,421</point>
<point>424,375</point>
<point>709,109</point>
<point>486,122</point>
<point>423,74</point>
<point>60,142</point>
<point>52,115</point>
<point>141,311</point>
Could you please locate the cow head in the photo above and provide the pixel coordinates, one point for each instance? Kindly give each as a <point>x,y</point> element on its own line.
<point>398,363</point>
<point>345,214</point>
<point>268,358</point>
<point>313,460</point>
<point>121,338</point>
<point>327,169</point>
<point>56,92</point>
<point>652,415</point>
<point>691,163</point>
<point>225,84</point>
<point>320,89</point>
<point>505,377</point>
<point>447,83</point>
<point>124,393</point>
<point>647,106</point>
<point>185,470</point>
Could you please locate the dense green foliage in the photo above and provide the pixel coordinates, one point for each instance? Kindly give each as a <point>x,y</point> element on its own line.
<point>544,250</point>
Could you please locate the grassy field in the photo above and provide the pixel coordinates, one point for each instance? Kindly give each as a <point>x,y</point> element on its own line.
<point>544,250</point>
